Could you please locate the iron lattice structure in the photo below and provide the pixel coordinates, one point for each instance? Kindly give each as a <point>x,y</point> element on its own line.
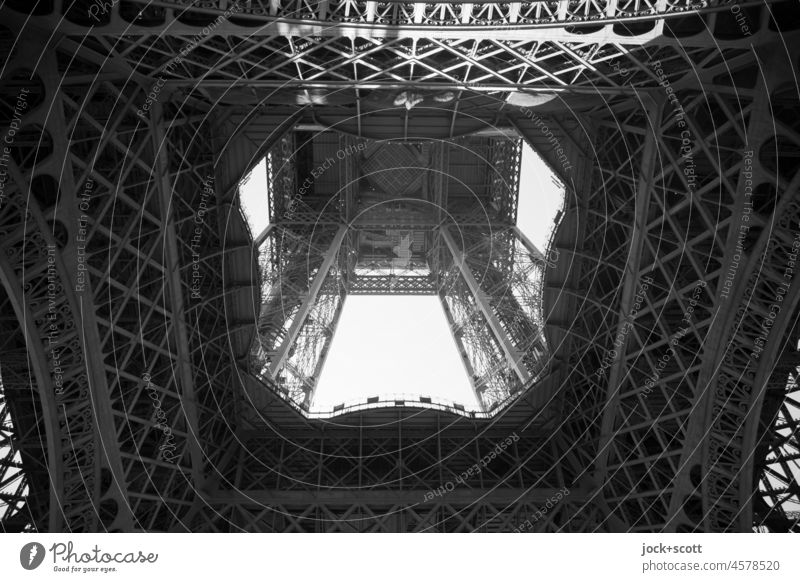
<point>398,217</point>
<point>158,358</point>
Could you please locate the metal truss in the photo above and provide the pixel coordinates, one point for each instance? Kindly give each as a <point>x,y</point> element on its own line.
<point>84,490</point>
<point>494,311</point>
<point>303,294</point>
<point>330,238</point>
<point>654,413</point>
<point>24,496</point>
<point>329,68</point>
<point>487,366</point>
<point>310,346</point>
<point>775,504</point>
<point>142,289</point>
<point>670,392</point>
<point>611,19</point>
<point>380,478</point>
<point>505,271</point>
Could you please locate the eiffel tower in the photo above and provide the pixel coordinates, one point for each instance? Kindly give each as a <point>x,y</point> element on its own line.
<point>158,359</point>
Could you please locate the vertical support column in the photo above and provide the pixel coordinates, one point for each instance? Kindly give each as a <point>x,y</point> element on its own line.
<point>419,12</point>
<point>77,287</point>
<point>632,266</point>
<point>456,331</point>
<point>308,302</point>
<point>561,12</point>
<point>175,290</point>
<point>46,389</point>
<point>348,178</point>
<point>325,351</point>
<point>322,10</point>
<point>513,355</point>
<point>466,12</point>
<point>726,415</point>
<point>661,8</point>
<point>441,160</point>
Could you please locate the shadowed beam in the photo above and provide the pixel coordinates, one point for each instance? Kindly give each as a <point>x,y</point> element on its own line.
<point>385,498</point>
<point>513,355</point>
<point>308,302</point>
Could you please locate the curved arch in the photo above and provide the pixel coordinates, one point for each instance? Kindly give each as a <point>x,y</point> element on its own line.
<point>46,389</point>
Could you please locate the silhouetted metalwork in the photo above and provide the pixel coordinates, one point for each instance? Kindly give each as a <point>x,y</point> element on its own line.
<point>158,358</point>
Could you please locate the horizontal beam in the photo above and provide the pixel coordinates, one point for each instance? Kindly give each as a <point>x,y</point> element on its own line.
<point>400,23</point>
<point>242,82</point>
<point>388,497</point>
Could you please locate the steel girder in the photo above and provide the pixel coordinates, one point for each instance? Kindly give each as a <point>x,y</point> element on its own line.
<point>671,394</point>
<point>213,60</point>
<point>381,478</point>
<point>44,272</point>
<point>24,463</point>
<point>609,20</point>
<point>330,258</point>
<point>491,296</point>
<point>144,394</point>
<point>685,239</point>
<point>327,239</point>
<point>281,66</point>
<point>303,295</point>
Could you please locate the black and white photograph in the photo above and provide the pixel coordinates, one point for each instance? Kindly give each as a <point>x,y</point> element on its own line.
<point>400,267</point>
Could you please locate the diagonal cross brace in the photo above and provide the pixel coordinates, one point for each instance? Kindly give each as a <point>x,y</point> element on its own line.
<point>513,355</point>
<point>308,302</point>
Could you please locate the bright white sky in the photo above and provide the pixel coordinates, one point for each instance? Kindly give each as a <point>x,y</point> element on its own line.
<point>402,345</point>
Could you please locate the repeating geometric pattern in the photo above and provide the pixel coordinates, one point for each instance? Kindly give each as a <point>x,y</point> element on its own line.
<point>647,381</point>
